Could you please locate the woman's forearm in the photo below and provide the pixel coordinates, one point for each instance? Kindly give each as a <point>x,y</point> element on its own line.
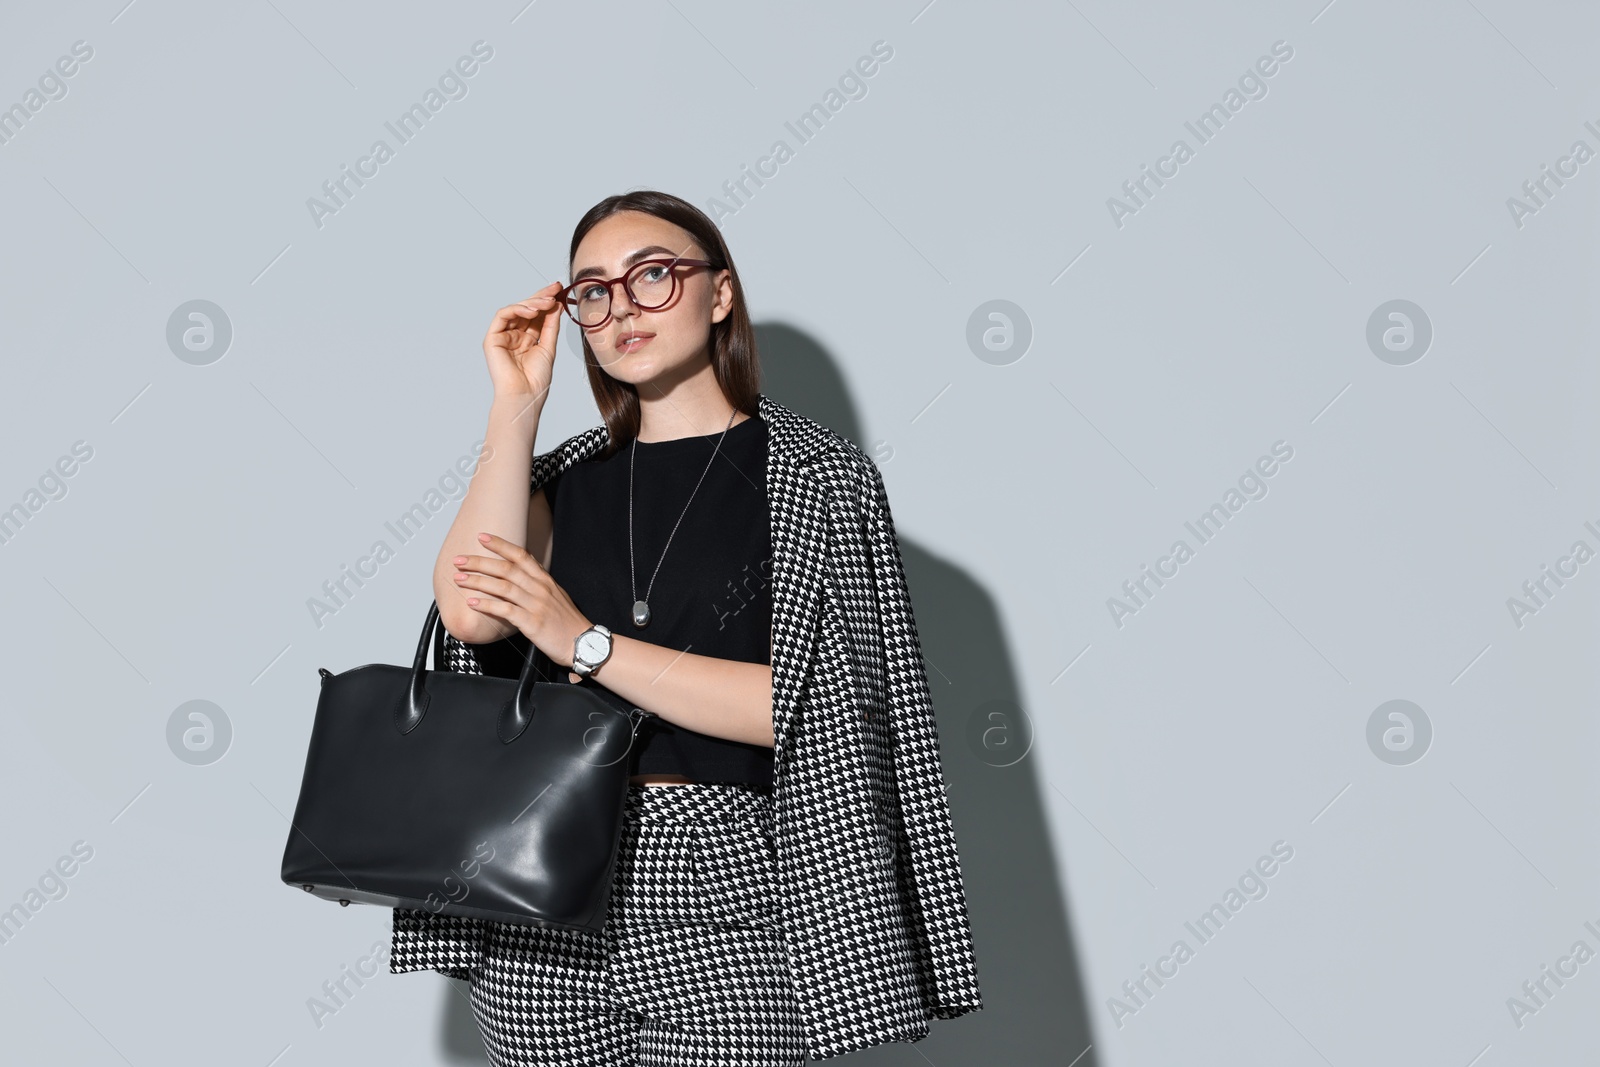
<point>496,501</point>
<point>721,697</point>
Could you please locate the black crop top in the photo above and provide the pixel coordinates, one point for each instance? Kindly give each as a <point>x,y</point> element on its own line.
<point>712,595</point>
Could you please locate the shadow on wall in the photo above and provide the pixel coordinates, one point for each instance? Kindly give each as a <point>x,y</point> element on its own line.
<point>459,1040</point>
<point>1034,1006</point>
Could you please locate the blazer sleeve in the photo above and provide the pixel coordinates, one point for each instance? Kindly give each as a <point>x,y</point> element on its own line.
<point>934,864</point>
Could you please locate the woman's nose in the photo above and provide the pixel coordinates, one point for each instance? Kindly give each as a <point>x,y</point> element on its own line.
<point>621,302</point>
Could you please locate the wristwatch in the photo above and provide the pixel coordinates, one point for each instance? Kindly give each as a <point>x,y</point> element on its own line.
<point>590,649</point>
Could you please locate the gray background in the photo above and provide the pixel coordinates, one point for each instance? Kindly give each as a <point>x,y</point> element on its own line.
<point>1159,759</point>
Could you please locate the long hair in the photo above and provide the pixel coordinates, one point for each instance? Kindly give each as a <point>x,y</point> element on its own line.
<point>733,341</point>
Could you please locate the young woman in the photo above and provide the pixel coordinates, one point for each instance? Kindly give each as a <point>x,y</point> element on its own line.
<point>787,882</point>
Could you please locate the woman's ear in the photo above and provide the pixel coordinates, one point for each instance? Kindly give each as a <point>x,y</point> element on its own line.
<point>722,304</point>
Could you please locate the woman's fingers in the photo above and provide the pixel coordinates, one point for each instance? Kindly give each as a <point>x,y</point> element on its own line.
<point>513,563</point>
<point>497,568</point>
<point>513,317</point>
<point>518,589</point>
<point>503,588</point>
<point>544,298</point>
<point>500,609</point>
<point>550,327</point>
<point>523,310</point>
<point>494,565</point>
<point>513,552</point>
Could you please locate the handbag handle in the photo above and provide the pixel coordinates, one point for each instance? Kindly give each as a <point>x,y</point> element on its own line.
<point>514,717</point>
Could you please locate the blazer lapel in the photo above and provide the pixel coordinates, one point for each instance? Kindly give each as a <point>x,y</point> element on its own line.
<point>799,539</point>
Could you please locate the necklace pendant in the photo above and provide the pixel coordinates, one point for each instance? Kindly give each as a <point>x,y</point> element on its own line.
<point>641,614</point>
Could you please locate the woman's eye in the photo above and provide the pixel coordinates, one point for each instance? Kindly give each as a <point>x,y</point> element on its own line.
<point>655,273</point>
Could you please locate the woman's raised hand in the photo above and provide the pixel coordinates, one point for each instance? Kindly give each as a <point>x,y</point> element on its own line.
<point>512,586</point>
<point>521,345</point>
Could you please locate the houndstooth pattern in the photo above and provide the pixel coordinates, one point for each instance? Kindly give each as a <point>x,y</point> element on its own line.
<point>870,896</point>
<point>690,970</point>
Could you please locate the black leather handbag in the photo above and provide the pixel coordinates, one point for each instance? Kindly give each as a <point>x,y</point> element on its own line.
<point>462,794</point>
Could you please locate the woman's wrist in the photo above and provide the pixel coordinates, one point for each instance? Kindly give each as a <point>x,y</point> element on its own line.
<point>523,407</point>
<point>514,422</point>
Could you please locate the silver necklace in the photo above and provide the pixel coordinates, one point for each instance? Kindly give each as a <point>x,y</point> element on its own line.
<point>641,607</point>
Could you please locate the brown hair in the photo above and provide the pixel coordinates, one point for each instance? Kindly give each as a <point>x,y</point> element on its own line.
<point>733,341</point>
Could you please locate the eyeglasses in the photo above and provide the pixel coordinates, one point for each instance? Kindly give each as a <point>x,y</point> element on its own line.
<point>651,284</point>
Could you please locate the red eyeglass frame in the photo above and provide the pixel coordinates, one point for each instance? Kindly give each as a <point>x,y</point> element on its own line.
<point>564,296</point>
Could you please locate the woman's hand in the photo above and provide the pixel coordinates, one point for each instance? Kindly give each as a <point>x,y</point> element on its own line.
<point>521,346</point>
<point>514,587</point>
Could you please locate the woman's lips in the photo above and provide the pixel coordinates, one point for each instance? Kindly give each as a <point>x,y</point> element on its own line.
<point>636,343</point>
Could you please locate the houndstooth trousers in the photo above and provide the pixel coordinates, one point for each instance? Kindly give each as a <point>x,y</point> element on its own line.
<point>690,969</point>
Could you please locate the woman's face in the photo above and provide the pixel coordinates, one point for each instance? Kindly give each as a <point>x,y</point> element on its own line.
<point>681,330</point>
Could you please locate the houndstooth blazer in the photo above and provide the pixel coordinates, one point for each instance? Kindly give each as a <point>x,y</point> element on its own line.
<point>873,908</point>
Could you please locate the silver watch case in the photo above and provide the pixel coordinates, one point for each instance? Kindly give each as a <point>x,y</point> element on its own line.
<point>590,649</point>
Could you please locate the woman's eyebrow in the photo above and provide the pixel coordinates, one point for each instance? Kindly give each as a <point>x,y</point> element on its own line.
<point>627,261</point>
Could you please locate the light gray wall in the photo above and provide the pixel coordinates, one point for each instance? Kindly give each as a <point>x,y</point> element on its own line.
<point>1113,776</point>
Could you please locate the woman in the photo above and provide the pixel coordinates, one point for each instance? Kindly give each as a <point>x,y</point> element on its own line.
<point>788,882</point>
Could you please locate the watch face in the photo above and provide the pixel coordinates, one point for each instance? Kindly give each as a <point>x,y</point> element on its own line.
<point>592,647</point>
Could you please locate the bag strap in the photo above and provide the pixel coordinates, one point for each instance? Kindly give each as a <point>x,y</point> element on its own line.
<point>514,717</point>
